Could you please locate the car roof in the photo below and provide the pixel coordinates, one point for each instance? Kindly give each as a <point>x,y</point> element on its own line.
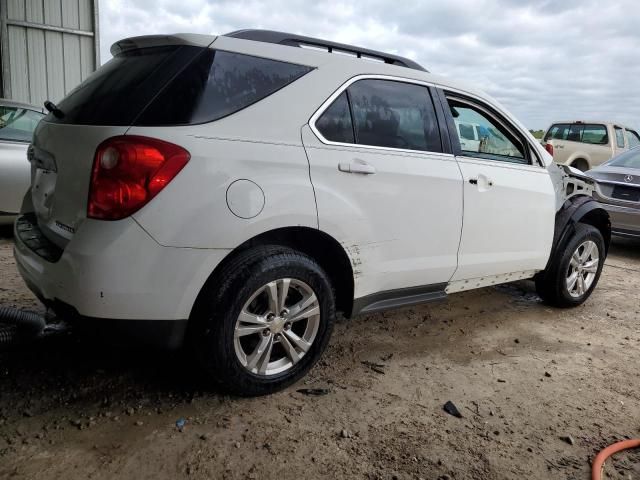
<point>12,103</point>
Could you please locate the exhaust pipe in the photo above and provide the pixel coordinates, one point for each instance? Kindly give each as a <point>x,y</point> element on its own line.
<point>17,325</point>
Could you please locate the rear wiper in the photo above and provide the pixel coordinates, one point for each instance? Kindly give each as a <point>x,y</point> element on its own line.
<point>49,105</point>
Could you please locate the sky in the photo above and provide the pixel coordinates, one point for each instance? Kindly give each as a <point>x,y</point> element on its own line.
<point>544,60</point>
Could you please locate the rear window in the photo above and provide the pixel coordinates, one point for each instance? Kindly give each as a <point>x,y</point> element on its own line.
<point>578,132</point>
<point>630,159</point>
<point>117,92</point>
<point>174,86</point>
<point>17,124</point>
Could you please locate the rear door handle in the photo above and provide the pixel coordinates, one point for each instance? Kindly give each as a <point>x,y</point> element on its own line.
<point>357,166</point>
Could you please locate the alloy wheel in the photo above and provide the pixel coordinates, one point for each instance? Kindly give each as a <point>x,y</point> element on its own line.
<point>582,269</point>
<point>276,326</point>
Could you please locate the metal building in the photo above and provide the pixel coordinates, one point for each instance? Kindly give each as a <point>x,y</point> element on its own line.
<point>47,47</point>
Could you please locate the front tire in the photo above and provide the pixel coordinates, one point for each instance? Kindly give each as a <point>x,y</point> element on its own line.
<point>575,271</point>
<point>265,322</point>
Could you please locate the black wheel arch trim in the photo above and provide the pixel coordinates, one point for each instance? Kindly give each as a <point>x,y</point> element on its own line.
<point>574,211</point>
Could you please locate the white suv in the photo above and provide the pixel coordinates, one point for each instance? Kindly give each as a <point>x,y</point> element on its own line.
<point>235,192</point>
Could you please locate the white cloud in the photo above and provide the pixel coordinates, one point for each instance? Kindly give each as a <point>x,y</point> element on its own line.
<point>543,59</point>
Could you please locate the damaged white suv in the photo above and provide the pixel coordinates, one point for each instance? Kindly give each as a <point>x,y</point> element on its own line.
<point>235,192</point>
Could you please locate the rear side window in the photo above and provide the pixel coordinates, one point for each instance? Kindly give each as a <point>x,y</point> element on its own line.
<point>619,137</point>
<point>117,92</point>
<point>393,114</point>
<point>217,84</point>
<point>335,123</point>
<point>174,85</point>
<point>17,124</point>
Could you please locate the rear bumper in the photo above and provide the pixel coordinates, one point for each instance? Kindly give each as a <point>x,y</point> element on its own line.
<point>162,334</point>
<point>114,273</point>
<point>625,221</point>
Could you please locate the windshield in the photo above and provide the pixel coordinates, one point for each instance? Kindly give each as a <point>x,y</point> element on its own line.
<point>630,159</point>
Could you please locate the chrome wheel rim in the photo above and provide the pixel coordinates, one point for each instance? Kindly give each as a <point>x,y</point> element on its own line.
<point>277,326</point>
<point>582,269</point>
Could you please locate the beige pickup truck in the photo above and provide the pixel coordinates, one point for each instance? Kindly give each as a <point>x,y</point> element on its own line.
<point>587,144</point>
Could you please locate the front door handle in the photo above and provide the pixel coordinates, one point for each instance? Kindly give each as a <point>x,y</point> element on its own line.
<point>357,166</point>
<point>483,182</point>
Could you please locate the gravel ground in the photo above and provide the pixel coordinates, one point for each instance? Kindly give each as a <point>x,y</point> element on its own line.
<point>525,377</point>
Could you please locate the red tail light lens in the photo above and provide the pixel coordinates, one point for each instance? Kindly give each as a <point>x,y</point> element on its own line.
<point>549,148</point>
<point>128,171</point>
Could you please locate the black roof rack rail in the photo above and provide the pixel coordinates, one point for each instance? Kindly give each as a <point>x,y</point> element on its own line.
<point>293,40</point>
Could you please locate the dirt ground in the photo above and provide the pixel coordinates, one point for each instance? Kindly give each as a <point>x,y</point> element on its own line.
<point>524,376</point>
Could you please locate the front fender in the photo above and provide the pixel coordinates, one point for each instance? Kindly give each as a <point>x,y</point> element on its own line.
<point>578,209</point>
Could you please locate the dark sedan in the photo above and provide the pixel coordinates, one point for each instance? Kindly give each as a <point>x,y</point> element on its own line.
<point>618,189</point>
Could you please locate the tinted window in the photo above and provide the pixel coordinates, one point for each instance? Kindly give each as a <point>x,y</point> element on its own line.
<point>633,139</point>
<point>466,131</point>
<point>335,123</point>
<point>619,137</point>
<point>559,131</point>
<point>495,142</point>
<point>17,124</point>
<point>217,84</point>
<point>119,90</point>
<point>630,159</point>
<point>394,114</point>
<point>595,134</point>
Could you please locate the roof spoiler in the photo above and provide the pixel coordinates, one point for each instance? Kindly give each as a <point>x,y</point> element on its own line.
<point>146,41</point>
<point>293,40</point>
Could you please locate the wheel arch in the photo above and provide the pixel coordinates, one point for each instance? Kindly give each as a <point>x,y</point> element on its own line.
<point>579,209</point>
<point>320,246</point>
<point>579,158</point>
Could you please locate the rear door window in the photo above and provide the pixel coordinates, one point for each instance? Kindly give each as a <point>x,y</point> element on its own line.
<point>17,124</point>
<point>335,123</point>
<point>394,114</point>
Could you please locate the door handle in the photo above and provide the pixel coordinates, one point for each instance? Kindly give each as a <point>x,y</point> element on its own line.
<point>357,166</point>
<point>482,181</point>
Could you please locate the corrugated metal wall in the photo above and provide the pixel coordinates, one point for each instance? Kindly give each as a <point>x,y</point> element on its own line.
<point>47,47</point>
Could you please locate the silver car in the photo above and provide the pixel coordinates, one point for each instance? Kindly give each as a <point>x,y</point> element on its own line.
<point>618,190</point>
<point>17,123</point>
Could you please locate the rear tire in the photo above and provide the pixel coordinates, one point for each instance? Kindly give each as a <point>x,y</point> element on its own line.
<point>243,341</point>
<point>575,269</point>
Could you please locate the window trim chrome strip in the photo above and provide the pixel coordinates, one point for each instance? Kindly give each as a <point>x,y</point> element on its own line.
<point>327,103</point>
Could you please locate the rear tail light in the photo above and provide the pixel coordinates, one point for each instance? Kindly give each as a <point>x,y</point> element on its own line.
<point>128,171</point>
<point>549,148</point>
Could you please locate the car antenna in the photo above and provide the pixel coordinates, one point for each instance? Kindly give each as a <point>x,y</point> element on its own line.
<point>50,106</point>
